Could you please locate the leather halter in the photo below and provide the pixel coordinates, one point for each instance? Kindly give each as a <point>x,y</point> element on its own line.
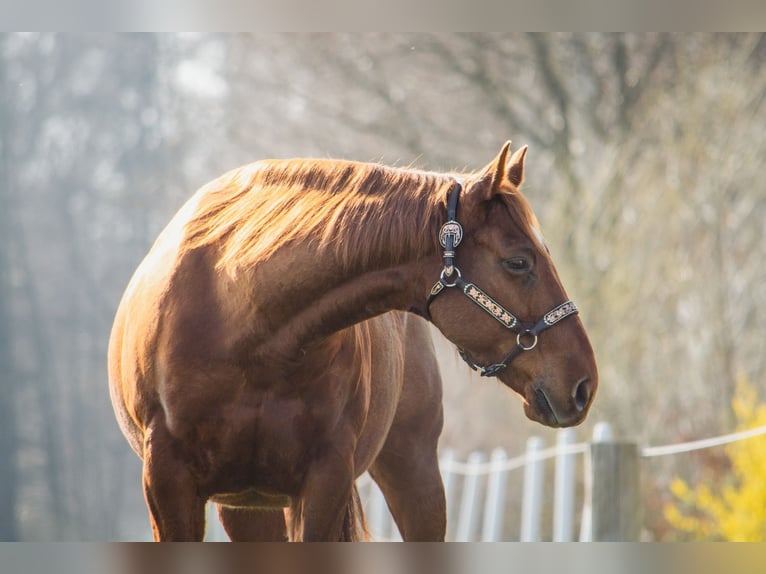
<point>450,236</point>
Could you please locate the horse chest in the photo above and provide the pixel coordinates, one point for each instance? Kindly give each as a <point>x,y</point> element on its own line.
<point>261,449</point>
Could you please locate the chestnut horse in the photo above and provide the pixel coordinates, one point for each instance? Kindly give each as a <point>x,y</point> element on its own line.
<point>253,361</point>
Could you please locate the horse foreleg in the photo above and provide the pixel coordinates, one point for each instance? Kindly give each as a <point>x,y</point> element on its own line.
<point>176,510</point>
<point>325,502</point>
<point>413,488</point>
<point>253,524</point>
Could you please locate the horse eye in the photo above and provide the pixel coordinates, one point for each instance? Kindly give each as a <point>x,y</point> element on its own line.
<point>517,264</point>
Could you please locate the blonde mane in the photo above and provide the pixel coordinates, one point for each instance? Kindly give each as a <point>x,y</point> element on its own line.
<point>361,210</point>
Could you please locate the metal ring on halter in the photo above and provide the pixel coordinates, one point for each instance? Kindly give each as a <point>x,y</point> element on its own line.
<point>444,274</point>
<point>521,345</point>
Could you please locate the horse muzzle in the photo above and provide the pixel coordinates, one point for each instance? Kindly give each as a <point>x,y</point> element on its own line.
<point>552,410</point>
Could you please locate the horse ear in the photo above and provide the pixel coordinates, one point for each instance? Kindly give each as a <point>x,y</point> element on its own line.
<point>492,175</point>
<point>516,166</point>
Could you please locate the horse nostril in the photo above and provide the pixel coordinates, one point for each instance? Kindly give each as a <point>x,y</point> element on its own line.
<point>581,394</point>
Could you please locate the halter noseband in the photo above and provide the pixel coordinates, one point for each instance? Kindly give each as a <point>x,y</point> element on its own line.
<point>450,236</point>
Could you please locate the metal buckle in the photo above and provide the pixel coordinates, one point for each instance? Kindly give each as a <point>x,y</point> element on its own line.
<point>521,345</point>
<point>448,273</point>
<point>492,370</point>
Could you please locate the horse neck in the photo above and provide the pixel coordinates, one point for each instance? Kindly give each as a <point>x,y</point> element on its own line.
<point>308,294</point>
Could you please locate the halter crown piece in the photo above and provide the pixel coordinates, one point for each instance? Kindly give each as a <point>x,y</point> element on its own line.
<point>450,236</point>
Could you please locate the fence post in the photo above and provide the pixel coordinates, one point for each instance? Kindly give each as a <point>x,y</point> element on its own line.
<point>470,499</point>
<point>614,491</point>
<point>564,488</point>
<point>377,515</point>
<point>448,478</point>
<point>214,531</point>
<point>494,501</point>
<point>532,498</point>
<point>602,432</point>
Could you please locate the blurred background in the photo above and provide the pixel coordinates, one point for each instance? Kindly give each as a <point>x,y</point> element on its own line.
<point>645,169</point>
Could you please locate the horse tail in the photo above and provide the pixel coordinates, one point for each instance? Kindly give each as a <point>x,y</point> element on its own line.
<point>354,522</point>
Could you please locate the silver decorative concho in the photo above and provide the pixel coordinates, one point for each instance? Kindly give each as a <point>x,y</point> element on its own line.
<point>451,228</point>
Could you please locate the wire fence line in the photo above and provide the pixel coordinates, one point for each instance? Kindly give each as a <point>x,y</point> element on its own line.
<point>519,461</point>
<point>690,446</point>
<point>514,463</point>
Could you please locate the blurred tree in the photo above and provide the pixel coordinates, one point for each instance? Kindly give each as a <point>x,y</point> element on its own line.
<point>87,161</point>
<point>9,529</point>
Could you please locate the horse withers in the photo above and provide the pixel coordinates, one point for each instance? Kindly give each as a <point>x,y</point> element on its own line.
<point>261,356</point>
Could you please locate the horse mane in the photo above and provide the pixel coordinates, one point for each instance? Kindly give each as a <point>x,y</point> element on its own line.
<point>359,209</point>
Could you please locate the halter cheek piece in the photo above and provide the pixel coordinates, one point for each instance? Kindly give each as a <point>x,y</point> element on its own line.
<point>450,236</point>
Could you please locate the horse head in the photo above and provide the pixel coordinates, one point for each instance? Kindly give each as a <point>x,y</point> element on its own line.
<point>501,301</point>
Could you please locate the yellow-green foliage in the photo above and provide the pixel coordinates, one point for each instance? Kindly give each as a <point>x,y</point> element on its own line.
<point>736,509</point>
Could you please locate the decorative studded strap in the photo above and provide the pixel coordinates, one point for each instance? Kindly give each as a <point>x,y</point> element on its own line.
<point>505,317</point>
<point>558,313</point>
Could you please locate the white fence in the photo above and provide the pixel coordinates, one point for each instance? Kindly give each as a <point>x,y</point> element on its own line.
<point>476,493</point>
